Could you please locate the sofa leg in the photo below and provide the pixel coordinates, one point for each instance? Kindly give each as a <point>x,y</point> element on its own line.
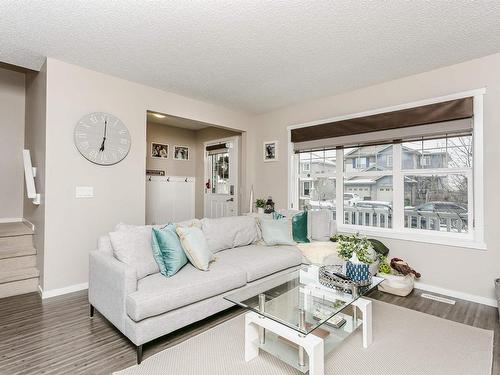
<point>92,311</point>
<point>139,354</point>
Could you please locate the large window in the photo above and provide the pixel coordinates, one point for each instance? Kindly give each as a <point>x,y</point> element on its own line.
<point>434,179</point>
<point>412,172</point>
<point>428,189</point>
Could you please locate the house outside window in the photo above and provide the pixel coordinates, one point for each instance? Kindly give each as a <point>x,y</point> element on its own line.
<point>306,188</point>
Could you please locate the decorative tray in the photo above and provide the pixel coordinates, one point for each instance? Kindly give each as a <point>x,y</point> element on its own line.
<point>328,278</point>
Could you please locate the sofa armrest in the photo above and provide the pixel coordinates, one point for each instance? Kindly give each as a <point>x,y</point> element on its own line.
<point>110,282</point>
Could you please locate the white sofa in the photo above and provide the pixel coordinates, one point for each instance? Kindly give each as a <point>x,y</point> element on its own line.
<point>147,308</point>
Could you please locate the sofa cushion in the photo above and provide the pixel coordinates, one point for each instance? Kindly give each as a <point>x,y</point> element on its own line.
<point>276,231</point>
<point>195,246</point>
<point>168,250</point>
<point>133,247</point>
<point>157,294</point>
<point>228,232</point>
<point>261,261</point>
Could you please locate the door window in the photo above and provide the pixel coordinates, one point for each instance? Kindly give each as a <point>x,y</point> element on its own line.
<point>220,173</point>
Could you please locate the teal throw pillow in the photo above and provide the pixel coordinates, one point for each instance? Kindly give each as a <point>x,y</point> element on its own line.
<point>299,227</point>
<point>276,232</point>
<point>166,242</point>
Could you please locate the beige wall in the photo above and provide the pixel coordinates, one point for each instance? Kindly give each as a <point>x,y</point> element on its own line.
<point>459,269</point>
<point>73,225</point>
<point>34,140</point>
<point>202,136</point>
<point>12,99</point>
<point>172,136</point>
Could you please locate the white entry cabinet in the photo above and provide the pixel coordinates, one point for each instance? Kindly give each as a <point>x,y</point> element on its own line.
<point>169,199</point>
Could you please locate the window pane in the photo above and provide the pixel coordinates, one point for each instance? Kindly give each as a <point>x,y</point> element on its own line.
<point>220,173</point>
<point>436,202</point>
<point>317,187</point>
<point>453,152</point>
<point>368,158</point>
<point>368,201</point>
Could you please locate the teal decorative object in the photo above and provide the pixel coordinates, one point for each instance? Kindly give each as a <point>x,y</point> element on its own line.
<point>166,242</point>
<point>299,227</point>
<point>357,272</point>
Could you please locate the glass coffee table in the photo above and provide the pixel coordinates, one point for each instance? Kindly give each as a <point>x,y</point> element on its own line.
<point>297,319</point>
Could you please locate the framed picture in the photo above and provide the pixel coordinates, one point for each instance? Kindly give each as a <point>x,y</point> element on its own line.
<point>181,153</point>
<point>159,150</point>
<point>271,151</point>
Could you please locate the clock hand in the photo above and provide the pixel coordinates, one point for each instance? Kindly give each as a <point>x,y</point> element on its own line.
<point>104,138</point>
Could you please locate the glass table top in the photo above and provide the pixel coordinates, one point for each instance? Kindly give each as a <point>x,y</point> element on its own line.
<point>297,299</point>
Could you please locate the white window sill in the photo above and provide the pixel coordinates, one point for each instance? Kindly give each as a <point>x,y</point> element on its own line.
<point>429,237</point>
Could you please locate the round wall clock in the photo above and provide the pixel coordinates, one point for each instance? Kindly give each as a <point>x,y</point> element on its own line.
<point>102,138</point>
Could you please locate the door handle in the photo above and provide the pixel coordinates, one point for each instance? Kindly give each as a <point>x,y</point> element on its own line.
<point>230,200</point>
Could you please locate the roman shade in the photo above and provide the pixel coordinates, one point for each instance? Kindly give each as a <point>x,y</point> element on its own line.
<point>217,149</point>
<point>437,119</point>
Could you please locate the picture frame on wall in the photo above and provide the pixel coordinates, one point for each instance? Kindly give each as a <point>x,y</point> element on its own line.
<point>270,149</point>
<point>159,150</point>
<point>181,153</point>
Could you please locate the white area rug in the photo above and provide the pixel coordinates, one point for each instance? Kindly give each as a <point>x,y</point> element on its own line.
<point>406,342</point>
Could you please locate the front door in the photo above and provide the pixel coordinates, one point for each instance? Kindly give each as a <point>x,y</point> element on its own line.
<point>221,178</point>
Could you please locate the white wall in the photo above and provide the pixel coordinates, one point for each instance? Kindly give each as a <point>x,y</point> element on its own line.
<point>12,99</point>
<point>73,225</point>
<point>460,269</point>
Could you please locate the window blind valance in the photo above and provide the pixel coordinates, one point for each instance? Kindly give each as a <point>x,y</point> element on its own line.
<point>454,116</point>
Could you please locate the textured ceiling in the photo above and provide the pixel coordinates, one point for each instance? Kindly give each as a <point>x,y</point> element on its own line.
<point>251,55</point>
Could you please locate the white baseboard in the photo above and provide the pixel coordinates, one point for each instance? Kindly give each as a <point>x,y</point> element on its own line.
<point>456,294</point>
<point>11,219</point>
<point>58,292</point>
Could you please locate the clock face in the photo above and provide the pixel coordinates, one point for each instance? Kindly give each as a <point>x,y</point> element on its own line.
<point>102,138</point>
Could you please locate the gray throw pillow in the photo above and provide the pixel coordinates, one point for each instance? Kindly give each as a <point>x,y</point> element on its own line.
<point>133,247</point>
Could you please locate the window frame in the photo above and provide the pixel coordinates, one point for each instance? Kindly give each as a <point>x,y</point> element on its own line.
<point>474,238</point>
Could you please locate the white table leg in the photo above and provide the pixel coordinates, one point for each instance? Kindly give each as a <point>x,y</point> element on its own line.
<point>366,309</point>
<point>316,356</point>
<point>251,339</point>
<point>311,344</point>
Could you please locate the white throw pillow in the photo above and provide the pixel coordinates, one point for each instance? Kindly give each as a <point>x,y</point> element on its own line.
<point>195,246</point>
<point>133,247</point>
<point>228,232</point>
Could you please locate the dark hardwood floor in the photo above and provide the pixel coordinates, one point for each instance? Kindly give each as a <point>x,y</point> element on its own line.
<point>56,336</point>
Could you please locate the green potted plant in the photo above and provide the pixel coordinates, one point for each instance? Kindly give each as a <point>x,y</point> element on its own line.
<point>361,258</point>
<point>260,204</point>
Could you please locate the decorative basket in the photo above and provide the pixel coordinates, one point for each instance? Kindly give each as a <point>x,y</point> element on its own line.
<point>328,279</point>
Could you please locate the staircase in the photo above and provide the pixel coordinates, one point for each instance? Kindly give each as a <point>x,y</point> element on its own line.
<point>18,272</point>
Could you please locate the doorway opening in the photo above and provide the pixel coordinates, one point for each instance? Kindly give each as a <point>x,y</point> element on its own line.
<point>177,177</point>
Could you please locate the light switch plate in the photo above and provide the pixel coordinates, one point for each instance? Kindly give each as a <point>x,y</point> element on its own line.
<point>84,192</point>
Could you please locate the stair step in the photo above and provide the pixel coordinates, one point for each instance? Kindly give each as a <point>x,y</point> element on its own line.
<point>17,252</point>
<point>14,288</point>
<point>16,263</point>
<point>19,274</point>
<point>14,229</point>
<point>15,242</point>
